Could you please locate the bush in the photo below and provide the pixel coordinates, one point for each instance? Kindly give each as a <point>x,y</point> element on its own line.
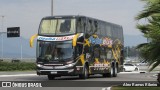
<point>18,66</point>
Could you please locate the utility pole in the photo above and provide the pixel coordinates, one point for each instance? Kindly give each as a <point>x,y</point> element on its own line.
<point>51,7</point>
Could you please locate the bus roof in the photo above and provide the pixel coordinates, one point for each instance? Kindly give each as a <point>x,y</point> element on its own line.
<point>77,16</point>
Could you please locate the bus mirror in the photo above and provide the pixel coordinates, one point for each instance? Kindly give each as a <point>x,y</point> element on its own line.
<point>74,41</point>
<point>32,39</point>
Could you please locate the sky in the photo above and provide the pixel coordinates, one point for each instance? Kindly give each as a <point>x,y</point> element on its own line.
<point>27,14</point>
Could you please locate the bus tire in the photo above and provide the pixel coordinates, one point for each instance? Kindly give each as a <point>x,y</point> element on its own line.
<point>105,75</point>
<point>51,77</point>
<point>85,73</point>
<point>115,71</point>
<point>110,74</point>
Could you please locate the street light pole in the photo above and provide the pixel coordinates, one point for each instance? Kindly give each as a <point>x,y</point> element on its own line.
<point>21,47</point>
<point>51,7</point>
<point>2,37</point>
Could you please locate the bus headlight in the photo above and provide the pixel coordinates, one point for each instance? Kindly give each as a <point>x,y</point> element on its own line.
<point>39,65</point>
<point>69,65</point>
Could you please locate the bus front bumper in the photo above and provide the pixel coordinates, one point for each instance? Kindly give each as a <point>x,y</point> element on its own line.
<point>56,72</point>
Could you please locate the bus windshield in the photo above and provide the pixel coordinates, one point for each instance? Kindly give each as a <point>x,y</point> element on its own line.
<point>55,51</point>
<point>57,26</point>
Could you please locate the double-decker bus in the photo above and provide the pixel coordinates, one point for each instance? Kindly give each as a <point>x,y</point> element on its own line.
<point>78,45</point>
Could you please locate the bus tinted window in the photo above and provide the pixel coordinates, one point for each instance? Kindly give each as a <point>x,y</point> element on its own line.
<point>89,29</point>
<point>92,27</point>
<point>108,31</point>
<point>80,25</point>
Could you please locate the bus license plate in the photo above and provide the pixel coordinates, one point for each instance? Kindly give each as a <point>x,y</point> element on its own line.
<point>53,72</point>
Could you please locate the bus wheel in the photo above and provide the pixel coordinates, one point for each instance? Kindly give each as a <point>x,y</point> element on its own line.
<point>110,74</point>
<point>115,71</point>
<point>105,75</point>
<point>51,77</point>
<point>85,73</point>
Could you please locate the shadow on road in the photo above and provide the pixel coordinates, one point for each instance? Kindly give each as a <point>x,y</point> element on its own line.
<point>44,78</point>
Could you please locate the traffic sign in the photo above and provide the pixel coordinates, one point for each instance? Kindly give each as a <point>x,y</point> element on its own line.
<point>13,32</point>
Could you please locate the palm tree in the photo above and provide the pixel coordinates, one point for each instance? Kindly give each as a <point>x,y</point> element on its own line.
<point>150,51</point>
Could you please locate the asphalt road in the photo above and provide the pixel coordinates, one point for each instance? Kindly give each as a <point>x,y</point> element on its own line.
<point>122,77</point>
<point>125,76</point>
<point>31,76</point>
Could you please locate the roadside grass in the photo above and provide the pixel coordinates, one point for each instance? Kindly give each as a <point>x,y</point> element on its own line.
<point>135,88</point>
<point>17,66</point>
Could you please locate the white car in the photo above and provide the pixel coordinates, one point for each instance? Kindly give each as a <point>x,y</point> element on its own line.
<point>130,67</point>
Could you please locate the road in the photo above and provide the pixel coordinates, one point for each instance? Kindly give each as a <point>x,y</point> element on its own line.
<point>31,76</point>
<point>123,76</point>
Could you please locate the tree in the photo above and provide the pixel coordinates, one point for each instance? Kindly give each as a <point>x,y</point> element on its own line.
<point>150,51</point>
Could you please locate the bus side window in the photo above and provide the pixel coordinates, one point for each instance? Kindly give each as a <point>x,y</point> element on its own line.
<point>102,53</point>
<point>109,54</point>
<point>103,30</point>
<point>108,31</point>
<point>92,27</point>
<point>80,25</point>
<point>95,27</point>
<point>99,29</point>
<point>89,29</point>
<point>96,52</point>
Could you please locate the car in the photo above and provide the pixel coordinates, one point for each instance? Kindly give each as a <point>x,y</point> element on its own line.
<point>130,67</point>
<point>143,63</point>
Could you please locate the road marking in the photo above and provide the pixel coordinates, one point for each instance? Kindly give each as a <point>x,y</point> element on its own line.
<point>103,88</point>
<point>131,72</point>
<point>17,75</point>
<point>108,88</point>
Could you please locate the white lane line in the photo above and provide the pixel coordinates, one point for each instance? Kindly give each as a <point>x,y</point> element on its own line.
<point>103,88</point>
<point>17,75</point>
<point>132,72</point>
<point>108,88</point>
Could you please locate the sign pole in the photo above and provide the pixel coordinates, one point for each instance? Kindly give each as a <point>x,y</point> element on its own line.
<point>15,32</point>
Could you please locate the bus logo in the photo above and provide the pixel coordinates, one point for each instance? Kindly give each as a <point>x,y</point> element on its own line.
<point>107,41</point>
<point>43,38</point>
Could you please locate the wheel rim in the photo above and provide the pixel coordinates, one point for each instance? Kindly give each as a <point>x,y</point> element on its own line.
<point>111,71</point>
<point>115,70</point>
